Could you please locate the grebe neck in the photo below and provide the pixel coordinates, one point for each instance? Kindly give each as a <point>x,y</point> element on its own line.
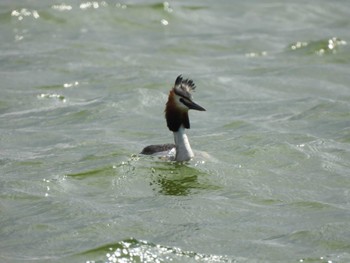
<point>183,148</point>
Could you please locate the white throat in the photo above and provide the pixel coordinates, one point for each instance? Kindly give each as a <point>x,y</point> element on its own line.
<point>183,147</point>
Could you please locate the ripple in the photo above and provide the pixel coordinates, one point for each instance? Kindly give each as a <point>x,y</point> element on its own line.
<point>94,172</point>
<point>318,47</point>
<point>133,250</point>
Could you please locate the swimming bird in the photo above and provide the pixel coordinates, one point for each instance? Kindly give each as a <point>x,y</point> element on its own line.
<point>176,114</point>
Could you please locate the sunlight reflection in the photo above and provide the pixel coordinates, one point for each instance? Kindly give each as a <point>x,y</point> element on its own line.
<point>319,47</point>
<point>142,251</point>
<point>52,96</point>
<point>62,7</point>
<point>25,13</point>
<point>256,54</point>
<point>164,22</point>
<point>167,7</point>
<point>71,84</point>
<point>298,45</point>
<point>93,4</point>
<point>18,37</point>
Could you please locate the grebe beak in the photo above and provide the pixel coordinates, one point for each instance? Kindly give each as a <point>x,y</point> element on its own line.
<point>191,105</point>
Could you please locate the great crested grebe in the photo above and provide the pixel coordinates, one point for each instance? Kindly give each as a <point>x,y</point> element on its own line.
<point>176,115</point>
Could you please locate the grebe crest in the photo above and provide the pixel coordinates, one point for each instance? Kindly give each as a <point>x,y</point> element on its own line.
<point>179,102</point>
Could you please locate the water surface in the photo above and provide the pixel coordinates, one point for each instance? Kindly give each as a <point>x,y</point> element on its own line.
<point>82,91</point>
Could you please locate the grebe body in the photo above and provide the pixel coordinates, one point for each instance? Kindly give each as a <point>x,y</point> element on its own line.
<point>176,114</point>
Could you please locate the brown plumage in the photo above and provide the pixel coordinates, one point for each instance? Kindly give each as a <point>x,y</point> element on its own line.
<point>174,115</point>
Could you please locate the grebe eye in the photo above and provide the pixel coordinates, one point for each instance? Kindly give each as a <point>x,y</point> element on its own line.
<point>184,101</point>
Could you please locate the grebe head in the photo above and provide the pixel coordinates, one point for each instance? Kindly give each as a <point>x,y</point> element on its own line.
<point>179,102</point>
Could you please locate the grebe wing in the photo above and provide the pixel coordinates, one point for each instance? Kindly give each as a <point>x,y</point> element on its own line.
<point>152,149</point>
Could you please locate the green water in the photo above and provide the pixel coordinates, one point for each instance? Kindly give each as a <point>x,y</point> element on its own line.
<point>82,91</point>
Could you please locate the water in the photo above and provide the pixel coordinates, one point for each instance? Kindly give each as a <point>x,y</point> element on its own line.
<point>83,88</point>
